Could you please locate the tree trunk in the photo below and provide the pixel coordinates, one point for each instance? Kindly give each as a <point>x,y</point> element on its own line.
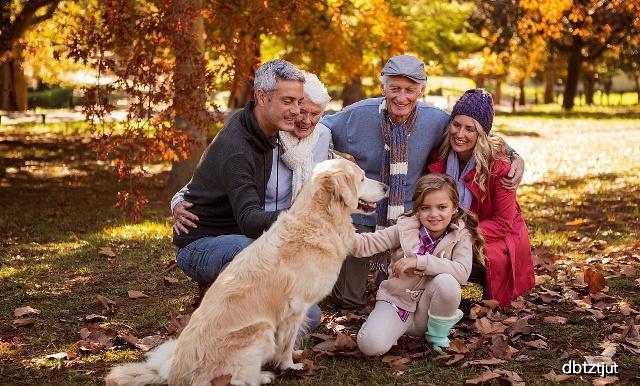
<point>550,77</point>
<point>245,65</point>
<point>352,92</point>
<point>189,102</point>
<point>14,83</point>
<point>497,95</point>
<point>589,89</point>
<point>480,79</point>
<point>523,100</point>
<point>573,74</point>
<point>636,78</point>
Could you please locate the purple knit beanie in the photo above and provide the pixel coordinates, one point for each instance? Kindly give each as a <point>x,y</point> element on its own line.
<point>476,103</point>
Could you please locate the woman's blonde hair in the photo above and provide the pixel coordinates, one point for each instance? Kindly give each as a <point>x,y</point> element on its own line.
<point>436,182</point>
<point>488,147</point>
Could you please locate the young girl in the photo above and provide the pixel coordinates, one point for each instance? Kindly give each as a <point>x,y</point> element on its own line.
<point>432,251</point>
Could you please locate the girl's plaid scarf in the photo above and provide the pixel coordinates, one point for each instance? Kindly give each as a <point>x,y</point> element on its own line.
<point>394,166</point>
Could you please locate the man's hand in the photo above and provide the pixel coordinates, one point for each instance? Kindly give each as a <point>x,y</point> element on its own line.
<point>515,173</point>
<point>182,218</point>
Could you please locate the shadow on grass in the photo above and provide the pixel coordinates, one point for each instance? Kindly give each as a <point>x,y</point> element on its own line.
<point>605,202</point>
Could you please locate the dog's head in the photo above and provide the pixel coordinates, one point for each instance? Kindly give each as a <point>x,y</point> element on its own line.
<point>348,183</point>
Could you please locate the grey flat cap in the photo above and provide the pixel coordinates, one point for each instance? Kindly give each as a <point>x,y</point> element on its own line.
<point>405,65</point>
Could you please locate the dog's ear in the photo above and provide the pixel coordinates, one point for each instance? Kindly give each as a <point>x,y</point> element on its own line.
<point>345,188</point>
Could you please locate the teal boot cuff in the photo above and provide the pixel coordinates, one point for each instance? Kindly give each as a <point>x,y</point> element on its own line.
<point>438,330</point>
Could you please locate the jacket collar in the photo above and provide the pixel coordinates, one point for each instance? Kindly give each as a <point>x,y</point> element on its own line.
<point>256,136</point>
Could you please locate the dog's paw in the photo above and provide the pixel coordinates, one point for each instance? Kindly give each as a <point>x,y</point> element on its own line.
<point>266,377</point>
<point>289,365</point>
<point>297,366</point>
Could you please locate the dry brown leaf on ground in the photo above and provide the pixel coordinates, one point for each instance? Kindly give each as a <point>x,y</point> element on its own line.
<point>457,346</point>
<point>344,342</point>
<point>512,377</point>
<point>541,279</point>
<point>597,314</point>
<point>487,327</point>
<point>555,320</point>
<point>24,311</point>
<point>596,359</point>
<point>149,342</point>
<point>553,377</point>
<point>107,251</point>
<point>327,346</point>
<point>170,265</point>
<point>626,310</point>
<point>477,311</point>
<point>492,304</point>
<point>110,306</point>
<point>628,271</point>
<point>524,358</point>
<point>500,347</point>
<point>595,280</point>
<point>455,359</point>
<point>484,377</point>
<point>519,304</point>
<point>396,362</point>
<point>630,334</point>
<point>95,318</point>
<point>610,349</point>
<point>168,280</point>
<point>608,380</point>
<point>22,322</point>
<point>129,338</point>
<point>485,362</point>
<point>521,326</point>
<point>145,344</point>
<point>322,336</point>
<point>136,294</point>
<point>310,368</point>
<point>178,323</point>
<point>544,258</point>
<point>538,343</point>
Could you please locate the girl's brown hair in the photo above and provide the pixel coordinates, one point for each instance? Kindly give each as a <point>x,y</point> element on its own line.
<point>435,182</point>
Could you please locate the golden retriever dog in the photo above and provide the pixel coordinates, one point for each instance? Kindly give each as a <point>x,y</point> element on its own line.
<point>251,314</point>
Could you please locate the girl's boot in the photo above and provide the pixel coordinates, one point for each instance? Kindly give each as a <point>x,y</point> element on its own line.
<point>438,330</point>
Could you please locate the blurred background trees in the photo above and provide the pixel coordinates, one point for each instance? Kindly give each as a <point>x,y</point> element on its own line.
<point>177,65</point>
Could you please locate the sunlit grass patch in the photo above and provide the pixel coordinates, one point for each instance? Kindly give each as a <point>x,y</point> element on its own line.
<point>142,231</point>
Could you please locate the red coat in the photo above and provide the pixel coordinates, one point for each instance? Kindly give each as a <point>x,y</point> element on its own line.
<point>509,269</point>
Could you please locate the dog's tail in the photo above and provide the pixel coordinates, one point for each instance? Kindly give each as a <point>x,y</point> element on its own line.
<point>154,370</point>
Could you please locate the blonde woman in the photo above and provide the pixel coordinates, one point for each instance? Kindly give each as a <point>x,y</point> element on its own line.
<point>477,161</point>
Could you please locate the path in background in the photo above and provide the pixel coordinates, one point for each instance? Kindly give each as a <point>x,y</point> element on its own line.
<point>572,148</point>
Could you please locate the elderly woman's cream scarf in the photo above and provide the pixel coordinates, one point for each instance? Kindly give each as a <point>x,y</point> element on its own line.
<point>298,156</point>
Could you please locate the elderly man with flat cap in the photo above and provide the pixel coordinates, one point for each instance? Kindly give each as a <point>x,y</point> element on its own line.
<point>390,137</point>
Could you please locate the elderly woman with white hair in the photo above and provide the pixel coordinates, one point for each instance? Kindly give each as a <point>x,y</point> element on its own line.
<point>300,150</point>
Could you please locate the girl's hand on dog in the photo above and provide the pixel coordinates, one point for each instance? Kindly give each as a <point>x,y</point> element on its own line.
<point>403,265</point>
<point>182,218</point>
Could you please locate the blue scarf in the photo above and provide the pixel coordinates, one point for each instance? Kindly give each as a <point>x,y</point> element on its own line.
<point>454,171</point>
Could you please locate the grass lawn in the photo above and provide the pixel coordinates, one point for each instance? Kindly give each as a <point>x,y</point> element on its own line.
<point>101,289</point>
